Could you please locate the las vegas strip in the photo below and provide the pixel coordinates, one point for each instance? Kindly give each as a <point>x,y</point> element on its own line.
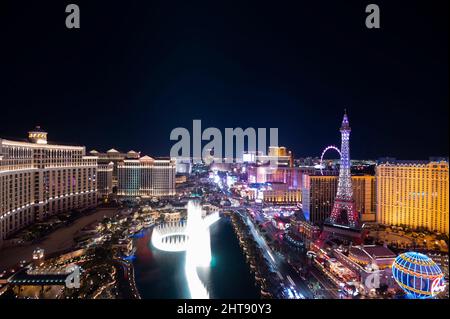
<point>176,156</point>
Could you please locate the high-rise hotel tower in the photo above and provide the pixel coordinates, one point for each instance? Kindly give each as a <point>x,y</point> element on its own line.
<point>38,180</point>
<point>414,194</point>
<point>146,177</point>
<point>319,194</point>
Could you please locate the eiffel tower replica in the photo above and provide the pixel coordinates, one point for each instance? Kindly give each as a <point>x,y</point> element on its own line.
<point>343,222</point>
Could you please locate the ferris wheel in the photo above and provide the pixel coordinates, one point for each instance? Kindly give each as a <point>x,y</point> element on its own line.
<point>331,147</point>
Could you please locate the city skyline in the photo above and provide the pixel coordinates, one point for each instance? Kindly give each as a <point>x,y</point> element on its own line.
<point>94,150</point>
<point>215,157</point>
<point>127,81</point>
<point>169,205</point>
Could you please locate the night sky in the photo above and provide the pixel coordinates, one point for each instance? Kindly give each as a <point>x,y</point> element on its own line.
<point>137,69</point>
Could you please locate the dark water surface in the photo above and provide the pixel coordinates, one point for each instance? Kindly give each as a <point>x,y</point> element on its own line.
<point>160,274</point>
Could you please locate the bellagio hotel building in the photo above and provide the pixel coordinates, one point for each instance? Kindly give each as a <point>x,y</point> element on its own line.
<point>146,177</point>
<point>414,194</point>
<point>38,180</point>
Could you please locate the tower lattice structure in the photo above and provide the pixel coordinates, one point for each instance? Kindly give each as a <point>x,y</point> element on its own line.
<point>344,211</point>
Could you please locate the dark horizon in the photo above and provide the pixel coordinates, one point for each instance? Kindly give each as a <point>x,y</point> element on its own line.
<point>135,71</point>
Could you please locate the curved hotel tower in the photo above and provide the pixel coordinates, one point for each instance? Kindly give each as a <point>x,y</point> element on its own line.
<point>414,194</point>
<point>38,179</point>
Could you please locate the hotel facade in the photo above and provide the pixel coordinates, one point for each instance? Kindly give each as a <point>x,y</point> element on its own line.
<point>38,180</point>
<point>413,194</point>
<point>112,156</point>
<point>146,177</point>
<point>105,179</point>
<point>319,192</point>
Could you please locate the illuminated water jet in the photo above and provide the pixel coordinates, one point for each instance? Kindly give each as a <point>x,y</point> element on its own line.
<point>192,237</point>
<point>198,250</point>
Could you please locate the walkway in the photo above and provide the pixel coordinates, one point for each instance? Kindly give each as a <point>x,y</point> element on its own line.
<point>59,240</point>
